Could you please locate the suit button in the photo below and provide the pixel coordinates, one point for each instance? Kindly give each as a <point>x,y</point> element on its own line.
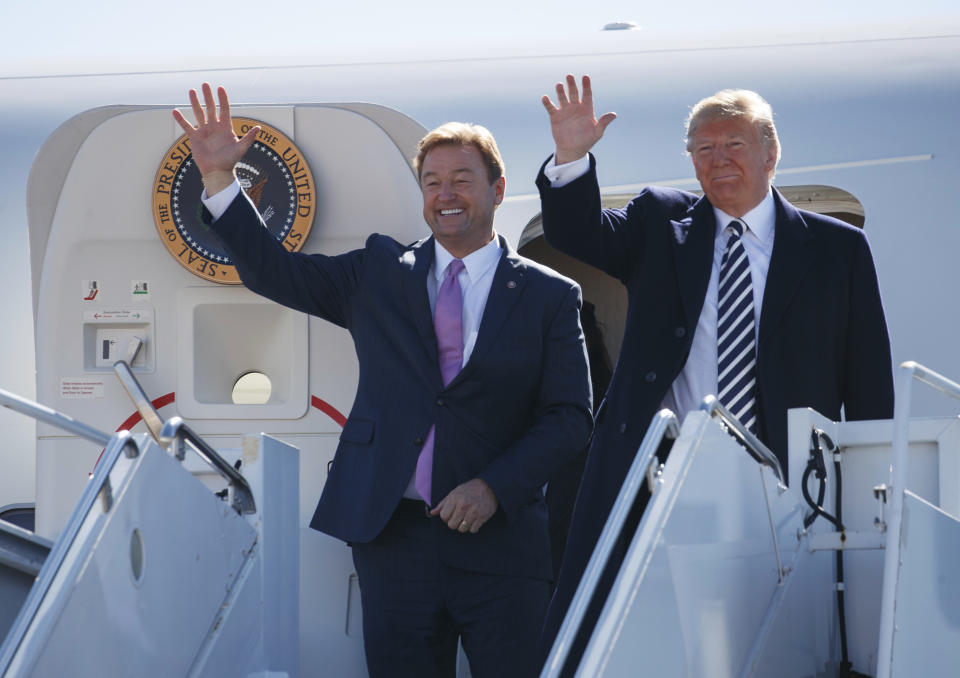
<point>440,402</point>
<point>650,377</point>
<point>680,332</point>
<point>418,442</point>
<point>623,427</point>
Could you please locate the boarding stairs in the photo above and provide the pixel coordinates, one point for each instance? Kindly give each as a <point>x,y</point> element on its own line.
<point>160,571</point>
<point>729,572</point>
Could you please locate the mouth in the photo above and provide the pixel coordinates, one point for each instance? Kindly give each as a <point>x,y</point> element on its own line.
<point>447,213</point>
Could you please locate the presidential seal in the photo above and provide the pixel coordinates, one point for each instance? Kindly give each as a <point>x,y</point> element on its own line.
<point>273,173</point>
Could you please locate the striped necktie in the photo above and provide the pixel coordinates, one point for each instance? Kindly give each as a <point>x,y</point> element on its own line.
<point>736,337</point>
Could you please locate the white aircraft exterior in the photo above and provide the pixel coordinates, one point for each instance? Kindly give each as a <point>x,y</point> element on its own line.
<point>867,123</point>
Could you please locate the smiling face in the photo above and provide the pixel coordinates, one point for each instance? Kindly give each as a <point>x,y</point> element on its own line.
<point>458,198</point>
<point>732,163</point>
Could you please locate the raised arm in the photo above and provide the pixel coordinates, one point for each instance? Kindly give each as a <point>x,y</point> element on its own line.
<point>572,121</point>
<point>215,147</point>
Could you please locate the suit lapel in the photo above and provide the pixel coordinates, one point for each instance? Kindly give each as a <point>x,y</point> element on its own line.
<point>508,282</point>
<point>415,263</point>
<point>692,239</point>
<point>793,254</point>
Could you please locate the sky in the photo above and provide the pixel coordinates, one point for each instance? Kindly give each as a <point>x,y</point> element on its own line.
<point>54,36</point>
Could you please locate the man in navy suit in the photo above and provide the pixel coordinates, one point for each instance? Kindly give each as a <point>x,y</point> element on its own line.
<point>437,479</point>
<point>817,335</point>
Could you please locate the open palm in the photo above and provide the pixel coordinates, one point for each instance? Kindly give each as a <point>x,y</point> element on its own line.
<point>215,147</point>
<point>572,121</point>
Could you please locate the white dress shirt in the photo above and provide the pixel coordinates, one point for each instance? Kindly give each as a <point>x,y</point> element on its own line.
<point>698,378</point>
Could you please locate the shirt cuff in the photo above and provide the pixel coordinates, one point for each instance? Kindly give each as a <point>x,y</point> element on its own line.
<point>218,203</point>
<point>561,175</point>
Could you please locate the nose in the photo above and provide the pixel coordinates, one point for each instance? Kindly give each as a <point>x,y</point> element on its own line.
<point>446,190</point>
<point>719,155</point>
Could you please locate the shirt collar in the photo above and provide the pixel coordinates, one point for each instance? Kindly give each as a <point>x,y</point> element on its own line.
<point>760,220</point>
<point>476,263</point>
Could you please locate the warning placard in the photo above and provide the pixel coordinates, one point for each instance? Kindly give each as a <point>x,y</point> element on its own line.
<point>81,387</point>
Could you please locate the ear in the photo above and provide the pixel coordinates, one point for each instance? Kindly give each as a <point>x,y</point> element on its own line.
<point>771,162</point>
<point>499,186</point>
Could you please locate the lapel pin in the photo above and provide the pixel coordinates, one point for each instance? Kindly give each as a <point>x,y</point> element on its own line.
<point>680,231</point>
<point>511,284</point>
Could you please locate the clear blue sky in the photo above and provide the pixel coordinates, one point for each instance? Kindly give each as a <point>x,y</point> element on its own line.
<point>54,35</point>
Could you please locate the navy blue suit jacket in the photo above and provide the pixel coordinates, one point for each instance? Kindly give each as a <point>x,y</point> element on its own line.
<point>823,339</point>
<point>518,410</point>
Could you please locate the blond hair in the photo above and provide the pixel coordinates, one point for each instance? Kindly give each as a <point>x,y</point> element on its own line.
<point>461,134</point>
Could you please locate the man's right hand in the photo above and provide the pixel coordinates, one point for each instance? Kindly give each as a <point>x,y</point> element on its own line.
<point>575,129</point>
<point>216,149</point>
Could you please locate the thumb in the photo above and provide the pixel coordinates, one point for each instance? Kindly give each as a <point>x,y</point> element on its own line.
<point>605,120</point>
<point>247,140</point>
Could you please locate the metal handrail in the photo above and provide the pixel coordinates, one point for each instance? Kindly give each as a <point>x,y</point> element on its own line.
<point>908,372</point>
<point>664,423</point>
<point>176,432</point>
<point>931,378</point>
<point>100,483</point>
<point>151,418</point>
<point>756,449</point>
<point>49,416</point>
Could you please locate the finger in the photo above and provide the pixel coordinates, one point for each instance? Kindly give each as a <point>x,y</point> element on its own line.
<point>551,109</point>
<point>572,88</point>
<point>449,513</point>
<point>457,522</point>
<point>182,121</point>
<point>211,104</point>
<point>457,519</point>
<point>561,95</point>
<point>441,510</point>
<point>480,519</point>
<point>247,140</point>
<point>587,90</point>
<point>224,103</point>
<point>605,120</point>
<point>197,108</point>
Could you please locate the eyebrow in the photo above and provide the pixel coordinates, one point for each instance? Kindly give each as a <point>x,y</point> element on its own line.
<point>459,170</point>
<point>697,143</point>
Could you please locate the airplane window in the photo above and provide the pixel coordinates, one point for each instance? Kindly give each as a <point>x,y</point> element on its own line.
<point>252,388</point>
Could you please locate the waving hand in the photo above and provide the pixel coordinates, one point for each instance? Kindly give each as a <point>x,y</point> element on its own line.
<point>575,129</point>
<point>216,149</point>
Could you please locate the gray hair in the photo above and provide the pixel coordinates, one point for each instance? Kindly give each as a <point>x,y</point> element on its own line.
<point>736,103</point>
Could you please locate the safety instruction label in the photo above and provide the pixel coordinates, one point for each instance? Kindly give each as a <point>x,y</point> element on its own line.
<point>81,387</point>
<point>139,290</point>
<point>119,315</point>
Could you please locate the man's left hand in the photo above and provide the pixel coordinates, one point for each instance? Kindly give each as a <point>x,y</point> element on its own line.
<point>467,507</point>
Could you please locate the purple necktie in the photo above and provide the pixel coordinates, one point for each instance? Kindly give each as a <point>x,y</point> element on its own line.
<point>448,324</point>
